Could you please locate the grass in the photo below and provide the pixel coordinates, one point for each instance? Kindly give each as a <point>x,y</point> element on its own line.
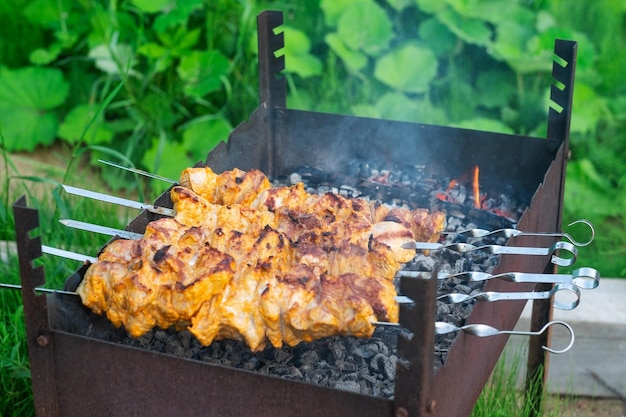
<point>42,192</point>
<point>501,395</point>
<point>14,369</point>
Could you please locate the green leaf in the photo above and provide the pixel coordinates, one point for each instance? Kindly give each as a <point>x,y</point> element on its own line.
<point>73,127</point>
<point>300,100</point>
<point>116,59</point>
<point>397,106</point>
<point>399,5</point>
<point>42,56</point>
<point>494,88</point>
<point>297,57</point>
<point>353,60</point>
<point>45,13</point>
<point>334,9</point>
<point>431,6</point>
<point>484,124</point>
<point>437,36</point>
<point>364,110</point>
<point>589,191</point>
<point>588,109</point>
<point>152,50</point>
<point>493,11</point>
<point>470,30</point>
<point>511,47</point>
<point>153,6</point>
<point>366,27</point>
<point>203,134</point>
<point>161,56</point>
<point>179,40</point>
<point>26,97</point>
<point>409,68</point>
<point>544,21</point>
<point>176,15</point>
<point>166,158</point>
<point>202,72</point>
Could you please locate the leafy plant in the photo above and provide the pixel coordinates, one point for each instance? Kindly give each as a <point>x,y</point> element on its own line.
<point>27,98</point>
<point>175,76</point>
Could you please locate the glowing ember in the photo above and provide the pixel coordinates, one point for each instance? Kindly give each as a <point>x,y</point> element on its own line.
<point>445,196</point>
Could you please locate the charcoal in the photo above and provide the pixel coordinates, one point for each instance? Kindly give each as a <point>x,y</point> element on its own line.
<point>185,339</point>
<point>348,386</point>
<point>462,288</point>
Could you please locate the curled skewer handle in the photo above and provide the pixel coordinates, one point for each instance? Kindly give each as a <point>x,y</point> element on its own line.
<point>584,278</point>
<point>564,305</point>
<point>563,246</point>
<point>484,330</point>
<point>509,233</point>
<point>504,250</point>
<point>516,233</point>
<point>543,329</point>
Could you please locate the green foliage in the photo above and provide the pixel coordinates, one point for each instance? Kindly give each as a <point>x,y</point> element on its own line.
<point>501,396</point>
<point>169,55</point>
<point>14,368</point>
<point>15,378</point>
<point>27,97</point>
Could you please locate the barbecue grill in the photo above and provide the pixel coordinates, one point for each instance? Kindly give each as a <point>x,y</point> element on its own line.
<point>74,375</point>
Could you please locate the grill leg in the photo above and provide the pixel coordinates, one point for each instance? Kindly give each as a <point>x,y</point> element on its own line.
<point>39,337</point>
<point>558,128</point>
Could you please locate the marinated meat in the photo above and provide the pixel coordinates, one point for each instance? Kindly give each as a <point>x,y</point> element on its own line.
<point>244,261</point>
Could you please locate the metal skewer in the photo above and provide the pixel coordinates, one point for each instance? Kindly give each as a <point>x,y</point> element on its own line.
<point>504,250</point>
<point>584,278</point>
<point>483,330</point>
<point>509,233</point>
<point>48,290</point>
<point>119,201</point>
<point>138,171</point>
<point>402,299</point>
<point>491,296</point>
<point>67,254</point>
<point>103,230</point>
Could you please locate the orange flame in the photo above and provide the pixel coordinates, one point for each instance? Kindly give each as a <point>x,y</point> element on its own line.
<point>445,196</point>
<point>476,185</point>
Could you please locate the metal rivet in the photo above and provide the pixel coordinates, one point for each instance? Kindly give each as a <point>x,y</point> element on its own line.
<point>402,412</point>
<point>43,340</point>
<point>431,405</point>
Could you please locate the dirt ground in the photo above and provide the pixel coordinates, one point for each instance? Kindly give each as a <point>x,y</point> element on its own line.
<point>588,407</point>
<point>37,171</point>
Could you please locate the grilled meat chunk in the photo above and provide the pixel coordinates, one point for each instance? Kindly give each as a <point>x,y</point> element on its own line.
<point>262,265</point>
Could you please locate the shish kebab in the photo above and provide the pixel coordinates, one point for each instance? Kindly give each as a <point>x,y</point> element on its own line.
<point>399,245</point>
<point>554,250</point>
<point>581,278</point>
<point>246,261</point>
